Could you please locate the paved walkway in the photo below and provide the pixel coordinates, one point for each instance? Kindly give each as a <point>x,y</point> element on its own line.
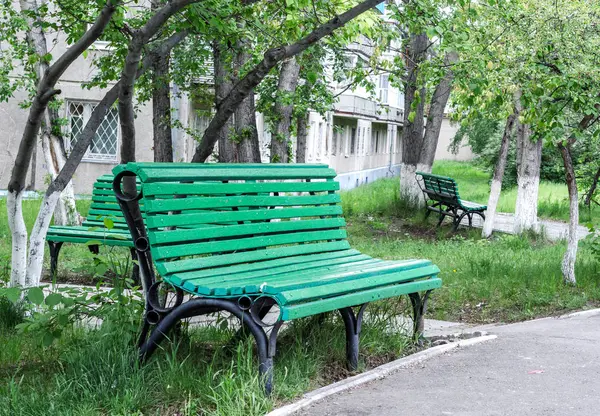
<point>544,367</point>
<point>555,230</point>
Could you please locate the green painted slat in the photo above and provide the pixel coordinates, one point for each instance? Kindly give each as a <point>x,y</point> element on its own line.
<point>188,236</point>
<point>234,216</point>
<point>183,204</point>
<point>346,276</point>
<point>164,252</point>
<point>373,279</point>
<point>84,240</point>
<point>203,188</point>
<point>235,166</point>
<point>266,266</point>
<point>325,305</point>
<point>84,231</point>
<point>166,268</point>
<point>105,213</point>
<point>257,284</point>
<point>149,175</point>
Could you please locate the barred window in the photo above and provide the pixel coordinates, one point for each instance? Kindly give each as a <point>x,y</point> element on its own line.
<point>105,144</point>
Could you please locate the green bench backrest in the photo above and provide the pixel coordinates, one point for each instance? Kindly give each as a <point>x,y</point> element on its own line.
<point>104,205</point>
<point>440,188</point>
<point>202,216</point>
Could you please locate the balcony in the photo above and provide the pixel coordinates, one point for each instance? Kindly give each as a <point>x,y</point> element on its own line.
<point>355,106</point>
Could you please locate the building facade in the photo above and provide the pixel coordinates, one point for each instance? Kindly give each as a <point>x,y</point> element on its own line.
<point>359,137</point>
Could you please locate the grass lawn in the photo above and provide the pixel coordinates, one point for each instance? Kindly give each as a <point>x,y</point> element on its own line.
<point>508,278</point>
<point>381,197</point>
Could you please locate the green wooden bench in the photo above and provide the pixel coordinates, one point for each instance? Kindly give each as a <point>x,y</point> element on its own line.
<point>93,231</point>
<point>441,196</point>
<point>253,238</point>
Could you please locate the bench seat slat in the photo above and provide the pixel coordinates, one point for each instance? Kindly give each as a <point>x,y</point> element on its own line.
<point>256,278</point>
<point>309,278</point>
<point>302,310</point>
<point>268,265</point>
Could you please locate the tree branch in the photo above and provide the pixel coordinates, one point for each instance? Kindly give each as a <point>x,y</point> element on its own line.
<point>130,69</point>
<point>100,111</point>
<point>45,91</point>
<point>271,58</point>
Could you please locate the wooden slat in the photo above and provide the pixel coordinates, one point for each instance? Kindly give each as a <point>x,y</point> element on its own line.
<point>161,221</point>
<point>193,235</point>
<point>178,266</point>
<point>302,310</point>
<point>149,175</point>
<point>254,282</point>
<point>181,250</point>
<point>215,188</point>
<point>184,204</point>
<point>371,279</point>
<point>266,266</point>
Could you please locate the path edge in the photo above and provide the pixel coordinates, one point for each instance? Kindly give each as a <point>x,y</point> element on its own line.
<point>377,373</point>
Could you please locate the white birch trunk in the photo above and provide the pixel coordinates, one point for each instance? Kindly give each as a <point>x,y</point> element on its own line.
<point>529,160</point>
<point>410,192</point>
<point>492,205</point>
<point>66,210</point>
<point>568,262</point>
<point>16,223</point>
<point>38,238</point>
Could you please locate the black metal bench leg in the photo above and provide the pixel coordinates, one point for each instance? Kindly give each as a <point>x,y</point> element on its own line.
<point>195,307</point>
<point>457,221</point>
<point>419,305</point>
<point>135,276</point>
<point>54,247</point>
<point>94,249</point>
<point>353,325</point>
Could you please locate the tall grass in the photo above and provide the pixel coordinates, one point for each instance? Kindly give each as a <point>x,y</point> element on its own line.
<point>96,372</point>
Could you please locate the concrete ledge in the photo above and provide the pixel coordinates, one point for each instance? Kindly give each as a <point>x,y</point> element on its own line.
<point>314,396</point>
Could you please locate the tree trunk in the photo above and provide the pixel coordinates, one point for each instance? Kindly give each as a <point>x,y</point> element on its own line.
<point>412,133</point>
<point>223,82</point>
<point>529,159</point>
<point>490,214</point>
<point>568,263</point>
<point>24,272</point>
<point>271,58</point>
<point>592,190</point>
<point>52,142</point>
<point>288,81</point>
<point>161,110</point>
<point>435,116</point>
<point>301,135</point>
<point>246,132</point>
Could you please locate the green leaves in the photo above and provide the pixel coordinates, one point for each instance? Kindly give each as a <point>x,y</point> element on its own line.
<point>36,295</point>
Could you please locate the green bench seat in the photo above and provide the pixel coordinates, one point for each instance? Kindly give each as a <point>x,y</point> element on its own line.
<point>93,231</point>
<point>442,197</point>
<point>249,239</point>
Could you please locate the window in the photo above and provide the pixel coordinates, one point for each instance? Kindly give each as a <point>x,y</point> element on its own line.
<point>353,140</point>
<point>105,144</point>
<point>376,141</point>
<point>384,84</point>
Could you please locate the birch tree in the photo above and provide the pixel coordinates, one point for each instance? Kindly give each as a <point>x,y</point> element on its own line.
<point>27,259</point>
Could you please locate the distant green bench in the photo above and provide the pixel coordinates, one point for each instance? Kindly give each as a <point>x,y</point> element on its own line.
<point>93,231</point>
<point>442,197</point>
<point>253,238</point>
